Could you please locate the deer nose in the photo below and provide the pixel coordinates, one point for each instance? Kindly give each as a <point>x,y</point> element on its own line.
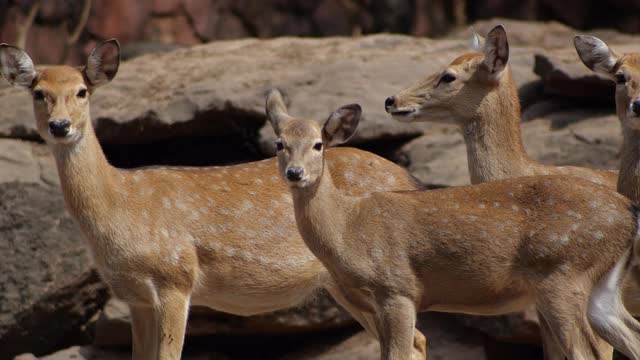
<point>59,128</point>
<point>389,102</point>
<point>635,106</point>
<point>295,173</point>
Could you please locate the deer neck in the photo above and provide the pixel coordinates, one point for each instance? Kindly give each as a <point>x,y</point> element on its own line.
<point>320,212</point>
<point>629,176</point>
<point>86,177</point>
<point>493,140</point>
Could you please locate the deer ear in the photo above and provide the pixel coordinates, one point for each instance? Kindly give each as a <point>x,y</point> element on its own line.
<point>16,66</point>
<point>477,42</point>
<point>595,54</point>
<point>102,63</point>
<point>496,51</point>
<point>276,110</point>
<point>341,125</point>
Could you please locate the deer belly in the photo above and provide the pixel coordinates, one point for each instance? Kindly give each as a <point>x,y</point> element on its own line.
<point>246,289</point>
<point>479,302</point>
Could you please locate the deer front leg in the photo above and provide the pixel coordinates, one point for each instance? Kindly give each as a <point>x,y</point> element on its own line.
<point>172,319</point>
<point>396,320</point>
<point>368,323</point>
<point>144,332</point>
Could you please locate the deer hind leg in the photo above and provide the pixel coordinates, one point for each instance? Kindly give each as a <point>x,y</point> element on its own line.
<point>171,315</point>
<point>144,332</point>
<point>395,320</point>
<point>552,350</point>
<point>369,324</point>
<point>563,306</point>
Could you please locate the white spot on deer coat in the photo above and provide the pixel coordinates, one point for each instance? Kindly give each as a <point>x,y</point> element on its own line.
<point>166,203</point>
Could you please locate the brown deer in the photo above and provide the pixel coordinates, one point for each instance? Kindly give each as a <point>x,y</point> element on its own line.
<point>625,71</point>
<point>485,249</point>
<point>477,93</point>
<point>167,237</point>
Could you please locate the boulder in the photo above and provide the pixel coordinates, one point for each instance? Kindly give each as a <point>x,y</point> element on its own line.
<point>583,137</point>
<point>119,19</point>
<point>113,327</point>
<point>218,89</point>
<point>46,275</point>
<point>447,339</point>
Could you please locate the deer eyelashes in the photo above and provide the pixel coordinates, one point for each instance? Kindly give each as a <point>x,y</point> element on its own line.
<point>39,94</point>
<point>317,146</point>
<point>446,78</point>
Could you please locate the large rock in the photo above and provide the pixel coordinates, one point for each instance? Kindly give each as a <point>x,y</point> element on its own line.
<point>588,137</point>
<point>113,327</point>
<point>218,89</point>
<point>48,290</point>
<point>563,74</point>
<point>447,339</point>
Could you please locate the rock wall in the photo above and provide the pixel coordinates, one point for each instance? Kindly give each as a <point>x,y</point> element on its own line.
<point>62,31</point>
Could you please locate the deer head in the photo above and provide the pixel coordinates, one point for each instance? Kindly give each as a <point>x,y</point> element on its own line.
<point>455,93</point>
<point>624,70</point>
<point>301,143</point>
<point>61,93</point>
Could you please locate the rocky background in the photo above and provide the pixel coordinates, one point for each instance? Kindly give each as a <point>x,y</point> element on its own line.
<point>177,102</point>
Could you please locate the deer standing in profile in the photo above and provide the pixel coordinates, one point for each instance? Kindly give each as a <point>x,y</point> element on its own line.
<point>166,238</point>
<point>559,242</point>
<point>477,93</point>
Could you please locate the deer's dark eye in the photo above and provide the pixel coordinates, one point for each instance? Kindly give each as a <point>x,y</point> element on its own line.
<point>38,95</point>
<point>621,78</point>
<point>447,78</point>
<point>317,146</point>
<point>279,145</point>
<point>82,93</point>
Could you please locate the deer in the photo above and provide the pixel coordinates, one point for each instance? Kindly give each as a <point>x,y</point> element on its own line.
<point>476,92</point>
<point>165,238</point>
<point>562,243</point>
<point>625,71</point>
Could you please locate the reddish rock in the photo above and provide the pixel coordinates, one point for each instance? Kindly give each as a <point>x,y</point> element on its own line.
<point>183,32</point>
<point>8,28</point>
<point>164,7</point>
<point>121,19</point>
<point>171,30</point>
<point>45,44</point>
<point>204,16</point>
<point>57,11</point>
<point>231,27</point>
<point>331,18</point>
